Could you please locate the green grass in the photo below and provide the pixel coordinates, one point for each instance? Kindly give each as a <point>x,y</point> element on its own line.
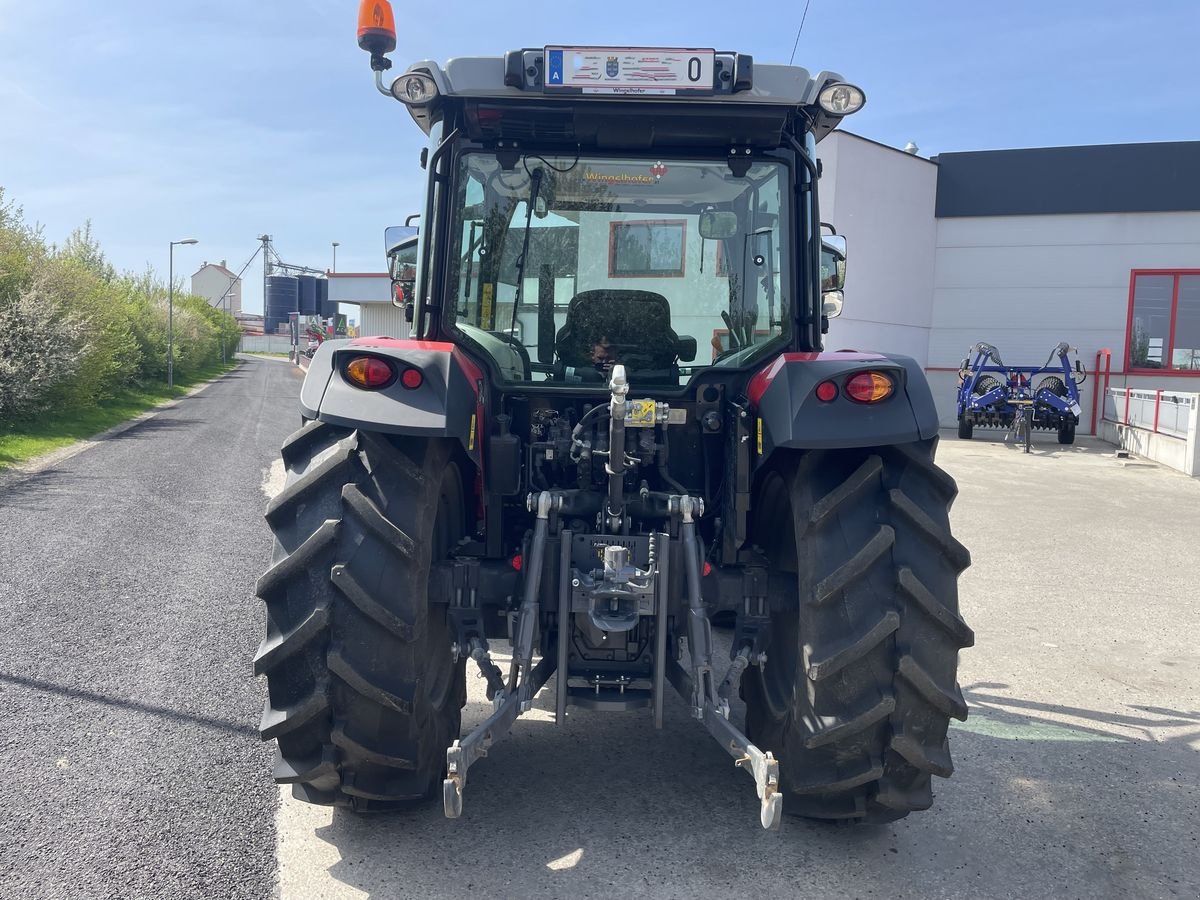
<point>21,441</point>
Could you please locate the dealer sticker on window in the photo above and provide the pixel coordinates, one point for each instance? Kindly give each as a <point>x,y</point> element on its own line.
<point>628,70</point>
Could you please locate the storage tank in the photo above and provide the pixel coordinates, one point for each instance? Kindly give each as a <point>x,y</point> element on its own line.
<point>283,295</point>
<point>328,308</point>
<point>308,295</point>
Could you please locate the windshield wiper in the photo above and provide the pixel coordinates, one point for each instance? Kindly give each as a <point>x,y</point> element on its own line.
<point>535,183</point>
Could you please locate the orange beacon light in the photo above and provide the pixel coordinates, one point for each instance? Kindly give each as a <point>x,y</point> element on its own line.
<point>376,27</point>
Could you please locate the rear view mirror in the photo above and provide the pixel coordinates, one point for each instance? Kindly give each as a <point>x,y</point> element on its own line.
<point>833,275</point>
<point>400,241</point>
<point>833,263</point>
<point>395,235</point>
<point>831,304</point>
<point>718,226</point>
<point>404,283</point>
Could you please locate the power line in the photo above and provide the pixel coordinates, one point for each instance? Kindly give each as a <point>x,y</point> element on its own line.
<point>798,30</point>
<point>237,278</point>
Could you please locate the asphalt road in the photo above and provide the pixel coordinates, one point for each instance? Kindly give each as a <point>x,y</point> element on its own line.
<point>127,625</point>
<point>132,767</point>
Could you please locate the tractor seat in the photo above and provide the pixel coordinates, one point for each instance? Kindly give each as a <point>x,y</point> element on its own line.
<point>636,323</point>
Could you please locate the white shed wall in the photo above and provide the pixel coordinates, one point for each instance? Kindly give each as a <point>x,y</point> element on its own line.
<point>372,294</point>
<point>382,320</point>
<point>882,200</point>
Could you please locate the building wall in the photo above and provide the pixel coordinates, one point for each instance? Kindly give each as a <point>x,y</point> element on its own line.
<point>882,200</point>
<point>211,283</point>
<point>1024,283</point>
<point>382,320</point>
<point>371,293</point>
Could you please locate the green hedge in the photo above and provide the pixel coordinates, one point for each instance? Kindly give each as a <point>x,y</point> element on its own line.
<point>73,332</point>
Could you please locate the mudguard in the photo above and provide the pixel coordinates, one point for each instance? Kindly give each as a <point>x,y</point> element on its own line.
<point>789,414</point>
<point>447,404</point>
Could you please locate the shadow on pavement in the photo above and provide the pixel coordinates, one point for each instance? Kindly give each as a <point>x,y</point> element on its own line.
<point>29,490</point>
<point>1047,801</point>
<point>161,712</point>
<point>1045,443</point>
<point>158,423</point>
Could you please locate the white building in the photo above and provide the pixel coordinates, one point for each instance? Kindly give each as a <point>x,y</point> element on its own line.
<point>219,286</point>
<point>371,291</point>
<point>1097,246</point>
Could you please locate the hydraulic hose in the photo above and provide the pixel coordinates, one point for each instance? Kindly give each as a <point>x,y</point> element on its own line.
<point>577,431</point>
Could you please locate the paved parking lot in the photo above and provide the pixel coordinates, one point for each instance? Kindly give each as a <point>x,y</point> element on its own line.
<point>1077,771</point>
<point>127,627</point>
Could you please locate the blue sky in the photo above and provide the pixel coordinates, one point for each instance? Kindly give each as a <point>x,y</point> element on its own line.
<point>220,119</point>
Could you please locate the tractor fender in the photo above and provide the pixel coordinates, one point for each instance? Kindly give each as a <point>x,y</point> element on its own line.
<point>446,404</point>
<point>790,415</point>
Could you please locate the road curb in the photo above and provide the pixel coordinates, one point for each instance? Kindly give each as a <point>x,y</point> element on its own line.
<point>54,457</point>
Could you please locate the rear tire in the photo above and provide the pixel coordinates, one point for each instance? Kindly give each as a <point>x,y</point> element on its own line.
<point>966,427</point>
<point>1066,432</point>
<point>859,685</point>
<point>364,696</point>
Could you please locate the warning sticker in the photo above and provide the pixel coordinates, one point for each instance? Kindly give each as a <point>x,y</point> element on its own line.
<point>641,413</point>
<point>487,307</point>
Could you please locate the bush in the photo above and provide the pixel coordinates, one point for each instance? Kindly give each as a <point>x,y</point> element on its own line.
<point>42,347</point>
<point>74,332</point>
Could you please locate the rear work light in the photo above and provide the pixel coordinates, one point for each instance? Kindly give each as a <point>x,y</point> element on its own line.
<point>370,372</point>
<point>869,387</point>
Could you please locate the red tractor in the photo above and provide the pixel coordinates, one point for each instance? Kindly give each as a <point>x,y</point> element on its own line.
<point>614,421</point>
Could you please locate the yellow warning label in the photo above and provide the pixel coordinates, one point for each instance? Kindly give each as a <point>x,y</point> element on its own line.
<point>471,437</point>
<point>760,437</point>
<point>641,412</point>
<point>486,308</point>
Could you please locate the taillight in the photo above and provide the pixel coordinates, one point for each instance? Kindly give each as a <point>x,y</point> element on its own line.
<point>869,387</point>
<point>370,372</point>
<point>412,379</point>
<point>827,391</point>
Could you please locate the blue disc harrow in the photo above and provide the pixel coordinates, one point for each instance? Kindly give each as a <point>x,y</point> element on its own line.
<point>1019,399</point>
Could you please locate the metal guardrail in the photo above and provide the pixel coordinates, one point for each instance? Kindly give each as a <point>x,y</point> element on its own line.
<point>1161,412</point>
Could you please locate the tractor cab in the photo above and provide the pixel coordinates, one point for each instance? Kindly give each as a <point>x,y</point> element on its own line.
<point>650,208</point>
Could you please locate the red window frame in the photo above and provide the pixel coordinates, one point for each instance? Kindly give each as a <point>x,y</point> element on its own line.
<point>721,261</point>
<point>1169,347</point>
<point>612,248</point>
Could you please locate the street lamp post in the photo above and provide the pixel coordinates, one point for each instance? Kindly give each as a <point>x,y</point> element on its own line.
<point>171,312</point>
<point>228,291</point>
<point>335,246</point>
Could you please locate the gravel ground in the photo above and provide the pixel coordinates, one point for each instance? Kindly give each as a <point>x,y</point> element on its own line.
<point>127,627</point>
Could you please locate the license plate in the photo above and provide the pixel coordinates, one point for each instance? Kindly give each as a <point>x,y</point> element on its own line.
<point>628,70</point>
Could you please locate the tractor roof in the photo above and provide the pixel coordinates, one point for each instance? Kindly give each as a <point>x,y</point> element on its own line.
<point>743,91</point>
